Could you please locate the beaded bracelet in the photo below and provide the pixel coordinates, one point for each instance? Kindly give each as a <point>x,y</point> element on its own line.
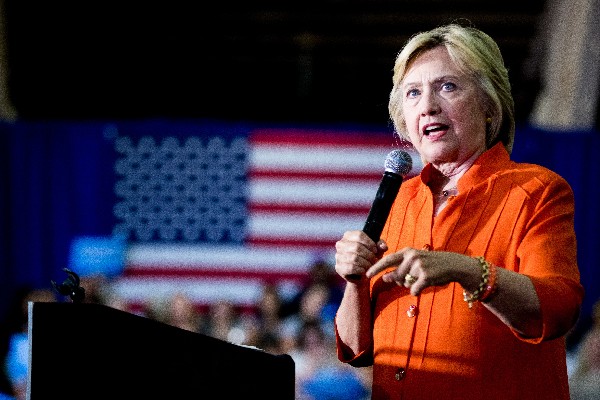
<point>490,289</point>
<point>487,286</point>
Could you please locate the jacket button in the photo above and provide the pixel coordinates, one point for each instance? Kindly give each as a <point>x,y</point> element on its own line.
<point>400,373</point>
<point>412,311</point>
<point>426,246</point>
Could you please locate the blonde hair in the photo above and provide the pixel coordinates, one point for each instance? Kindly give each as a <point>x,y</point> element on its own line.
<point>477,55</point>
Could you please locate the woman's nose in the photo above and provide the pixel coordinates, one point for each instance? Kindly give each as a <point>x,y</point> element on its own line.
<point>429,104</point>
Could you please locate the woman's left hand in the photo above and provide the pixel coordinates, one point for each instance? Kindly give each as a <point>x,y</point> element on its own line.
<point>419,269</point>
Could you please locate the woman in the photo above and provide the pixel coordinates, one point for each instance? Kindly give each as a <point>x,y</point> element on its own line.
<point>475,281</point>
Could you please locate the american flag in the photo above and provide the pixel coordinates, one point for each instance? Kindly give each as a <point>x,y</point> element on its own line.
<point>217,216</point>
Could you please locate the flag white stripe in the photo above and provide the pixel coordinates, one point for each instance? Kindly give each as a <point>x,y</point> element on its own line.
<point>207,257</point>
<point>316,158</point>
<point>301,226</point>
<point>203,291</point>
<point>311,192</point>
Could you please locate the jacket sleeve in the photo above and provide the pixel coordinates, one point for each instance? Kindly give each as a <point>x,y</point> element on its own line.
<point>362,359</point>
<point>548,256</point>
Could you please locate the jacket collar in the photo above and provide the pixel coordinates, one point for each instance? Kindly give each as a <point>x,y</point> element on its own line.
<point>487,164</point>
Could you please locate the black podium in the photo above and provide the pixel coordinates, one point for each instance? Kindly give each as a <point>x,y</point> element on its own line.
<point>89,351</point>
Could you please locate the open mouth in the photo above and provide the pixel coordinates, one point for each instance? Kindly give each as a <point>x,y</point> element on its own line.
<point>433,129</point>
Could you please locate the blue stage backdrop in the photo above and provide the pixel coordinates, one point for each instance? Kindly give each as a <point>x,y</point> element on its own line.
<point>285,187</point>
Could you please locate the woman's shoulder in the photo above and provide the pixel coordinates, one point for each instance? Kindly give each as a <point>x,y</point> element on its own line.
<point>533,177</point>
<point>527,171</point>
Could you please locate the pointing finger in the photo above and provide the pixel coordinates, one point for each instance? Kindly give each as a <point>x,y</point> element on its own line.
<point>384,263</point>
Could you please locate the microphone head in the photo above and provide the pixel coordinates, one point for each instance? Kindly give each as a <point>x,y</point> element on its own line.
<point>398,162</point>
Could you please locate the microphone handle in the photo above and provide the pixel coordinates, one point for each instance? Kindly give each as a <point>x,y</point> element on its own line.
<point>380,209</point>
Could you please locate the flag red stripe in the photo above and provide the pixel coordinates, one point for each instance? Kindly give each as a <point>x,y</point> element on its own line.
<point>308,175</point>
<point>330,209</point>
<point>326,245</point>
<point>323,138</point>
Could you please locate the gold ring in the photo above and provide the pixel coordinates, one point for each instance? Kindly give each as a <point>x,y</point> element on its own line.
<point>409,279</point>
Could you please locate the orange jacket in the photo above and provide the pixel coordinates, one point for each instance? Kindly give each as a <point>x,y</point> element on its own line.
<point>517,216</point>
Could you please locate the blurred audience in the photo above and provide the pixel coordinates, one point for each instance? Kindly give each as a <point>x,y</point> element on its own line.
<point>178,310</point>
<point>263,327</point>
<point>301,327</point>
<point>269,309</point>
<point>584,381</point>
<point>312,304</point>
<point>316,302</point>
<point>15,345</point>
<point>320,274</point>
<point>222,322</point>
<point>319,374</point>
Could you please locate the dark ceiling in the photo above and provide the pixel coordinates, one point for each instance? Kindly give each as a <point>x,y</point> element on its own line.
<point>317,61</point>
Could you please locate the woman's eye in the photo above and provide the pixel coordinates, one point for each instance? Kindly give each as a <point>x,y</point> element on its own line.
<point>448,86</point>
<point>412,93</point>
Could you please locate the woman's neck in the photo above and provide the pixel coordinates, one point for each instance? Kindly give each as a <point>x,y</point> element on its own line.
<point>439,182</point>
<point>445,176</point>
<point>443,181</point>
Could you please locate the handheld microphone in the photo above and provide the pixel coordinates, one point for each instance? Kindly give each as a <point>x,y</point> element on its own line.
<point>398,164</point>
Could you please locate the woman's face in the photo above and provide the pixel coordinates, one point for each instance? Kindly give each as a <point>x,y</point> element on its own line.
<point>443,109</point>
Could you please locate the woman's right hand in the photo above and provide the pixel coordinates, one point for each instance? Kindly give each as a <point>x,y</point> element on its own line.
<point>355,254</point>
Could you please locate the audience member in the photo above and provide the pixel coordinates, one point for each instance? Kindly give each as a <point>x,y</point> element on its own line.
<point>14,321</point>
<point>263,328</point>
<point>320,273</point>
<point>269,309</point>
<point>16,359</point>
<point>222,322</point>
<point>584,382</point>
<point>312,303</point>
<point>319,376</point>
<point>178,310</point>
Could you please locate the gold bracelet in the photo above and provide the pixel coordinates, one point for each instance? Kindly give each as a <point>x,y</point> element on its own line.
<point>470,298</point>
